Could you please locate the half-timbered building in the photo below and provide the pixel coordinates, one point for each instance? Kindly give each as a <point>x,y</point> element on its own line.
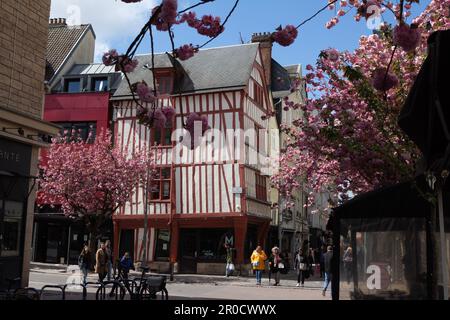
<point>216,192</point>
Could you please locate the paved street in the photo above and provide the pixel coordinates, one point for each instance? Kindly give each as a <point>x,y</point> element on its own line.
<point>206,287</point>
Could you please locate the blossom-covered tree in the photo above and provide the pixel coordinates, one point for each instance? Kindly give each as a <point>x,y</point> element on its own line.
<point>348,138</point>
<point>90,181</point>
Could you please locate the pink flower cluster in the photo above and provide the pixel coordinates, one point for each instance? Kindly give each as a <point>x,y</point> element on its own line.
<point>155,117</point>
<point>110,58</point>
<point>192,121</point>
<point>122,63</point>
<point>285,36</point>
<point>168,15</point>
<point>144,93</point>
<point>185,52</point>
<point>208,25</point>
<point>406,37</point>
<point>382,81</point>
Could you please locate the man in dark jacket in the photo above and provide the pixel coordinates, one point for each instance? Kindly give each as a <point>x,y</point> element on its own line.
<point>327,257</point>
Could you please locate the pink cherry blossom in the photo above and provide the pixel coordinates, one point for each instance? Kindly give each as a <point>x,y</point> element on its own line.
<point>285,36</point>
<point>406,37</point>
<point>382,81</point>
<point>185,52</point>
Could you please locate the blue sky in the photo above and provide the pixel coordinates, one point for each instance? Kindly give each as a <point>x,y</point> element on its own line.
<point>117,23</point>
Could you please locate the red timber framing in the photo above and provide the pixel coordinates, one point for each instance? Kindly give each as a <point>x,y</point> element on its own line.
<point>203,194</point>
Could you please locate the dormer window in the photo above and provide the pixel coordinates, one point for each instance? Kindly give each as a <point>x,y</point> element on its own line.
<point>72,85</point>
<point>164,81</point>
<point>99,84</point>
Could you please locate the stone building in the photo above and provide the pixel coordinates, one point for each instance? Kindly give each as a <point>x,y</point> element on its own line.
<point>23,39</point>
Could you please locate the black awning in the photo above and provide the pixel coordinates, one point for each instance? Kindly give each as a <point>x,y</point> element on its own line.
<point>401,200</point>
<point>425,117</point>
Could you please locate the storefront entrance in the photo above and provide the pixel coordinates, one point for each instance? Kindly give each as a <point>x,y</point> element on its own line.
<point>203,246</point>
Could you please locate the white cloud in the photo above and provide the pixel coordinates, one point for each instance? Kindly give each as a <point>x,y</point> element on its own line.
<point>113,20</point>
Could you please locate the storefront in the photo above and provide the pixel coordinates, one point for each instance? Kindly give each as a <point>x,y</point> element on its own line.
<point>59,239</point>
<point>388,235</point>
<point>15,159</point>
<point>203,246</point>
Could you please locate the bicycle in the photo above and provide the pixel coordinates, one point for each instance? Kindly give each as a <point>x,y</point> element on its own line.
<point>144,287</point>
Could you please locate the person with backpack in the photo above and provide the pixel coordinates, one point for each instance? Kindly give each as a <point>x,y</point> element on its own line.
<point>85,262</point>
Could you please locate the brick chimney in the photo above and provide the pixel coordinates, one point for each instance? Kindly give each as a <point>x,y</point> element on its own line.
<point>57,22</point>
<point>265,45</point>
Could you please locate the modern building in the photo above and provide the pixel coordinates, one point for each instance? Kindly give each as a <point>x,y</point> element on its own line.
<point>78,97</point>
<point>24,30</point>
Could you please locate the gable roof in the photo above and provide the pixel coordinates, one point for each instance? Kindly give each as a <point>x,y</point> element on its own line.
<point>62,39</point>
<point>209,69</point>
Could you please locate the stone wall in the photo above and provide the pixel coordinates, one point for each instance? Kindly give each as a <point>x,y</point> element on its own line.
<point>23,44</point>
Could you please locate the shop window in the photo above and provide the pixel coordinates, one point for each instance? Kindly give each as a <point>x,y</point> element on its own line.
<point>211,244</point>
<point>99,84</point>
<point>162,245</point>
<point>160,186</point>
<point>12,226</point>
<point>72,85</point>
<point>261,187</point>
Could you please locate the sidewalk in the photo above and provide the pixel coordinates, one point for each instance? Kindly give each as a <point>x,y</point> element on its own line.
<point>288,280</point>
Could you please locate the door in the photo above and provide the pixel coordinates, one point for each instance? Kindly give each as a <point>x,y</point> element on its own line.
<point>56,244</point>
<point>188,251</point>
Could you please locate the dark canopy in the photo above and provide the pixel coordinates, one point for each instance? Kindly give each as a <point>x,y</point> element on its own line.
<point>401,200</point>
<point>425,117</point>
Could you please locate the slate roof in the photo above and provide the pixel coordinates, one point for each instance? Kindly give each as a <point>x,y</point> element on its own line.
<point>61,40</point>
<point>214,68</point>
<point>280,78</point>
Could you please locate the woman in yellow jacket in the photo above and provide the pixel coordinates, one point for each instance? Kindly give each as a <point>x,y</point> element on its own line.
<point>258,258</point>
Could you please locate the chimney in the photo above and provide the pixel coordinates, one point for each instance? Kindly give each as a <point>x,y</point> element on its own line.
<point>57,22</point>
<point>265,45</point>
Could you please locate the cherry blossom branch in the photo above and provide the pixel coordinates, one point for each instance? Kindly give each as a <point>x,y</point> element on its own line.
<point>316,14</point>
<point>222,25</point>
<point>194,6</point>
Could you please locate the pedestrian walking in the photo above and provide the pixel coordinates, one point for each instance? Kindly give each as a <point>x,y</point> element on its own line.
<point>126,263</point>
<point>258,259</point>
<point>348,261</point>
<point>276,264</point>
<point>229,268</point>
<point>109,259</point>
<point>301,265</point>
<point>101,262</point>
<point>311,262</point>
<point>85,262</point>
<point>328,256</point>
<point>323,250</point>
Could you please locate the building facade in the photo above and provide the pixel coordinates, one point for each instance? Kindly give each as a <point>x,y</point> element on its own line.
<point>204,197</point>
<point>23,29</point>
<point>80,102</point>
